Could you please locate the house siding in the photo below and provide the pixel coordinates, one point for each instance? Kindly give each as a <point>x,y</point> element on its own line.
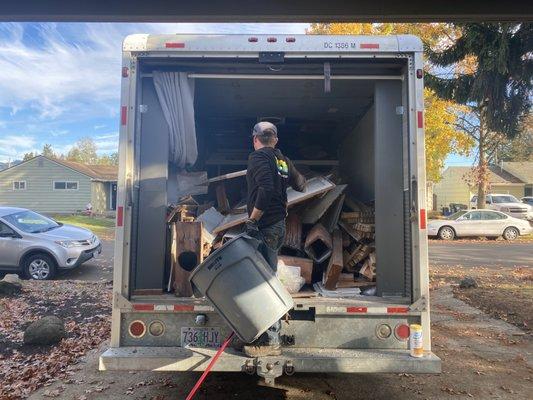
<point>452,188</point>
<point>516,191</point>
<point>39,174</point>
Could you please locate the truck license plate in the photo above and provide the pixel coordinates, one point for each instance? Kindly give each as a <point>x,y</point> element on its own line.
<point>200,337</point>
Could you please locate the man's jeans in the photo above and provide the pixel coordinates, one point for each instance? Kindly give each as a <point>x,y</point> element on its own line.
<point>272,238</point>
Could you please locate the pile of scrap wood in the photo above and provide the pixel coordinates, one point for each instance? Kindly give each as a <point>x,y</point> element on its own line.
<point>329,236</point>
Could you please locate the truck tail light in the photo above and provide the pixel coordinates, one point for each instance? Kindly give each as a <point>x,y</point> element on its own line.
<point>253,39</point>
<point>402,331</point>
<point>125,72</point>
<point>137,329</point>
<point>156,328</point>
<point>272,40</point>
<point>290,39</point>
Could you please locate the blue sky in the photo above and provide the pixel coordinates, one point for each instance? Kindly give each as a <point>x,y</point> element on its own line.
<point>61,81</point>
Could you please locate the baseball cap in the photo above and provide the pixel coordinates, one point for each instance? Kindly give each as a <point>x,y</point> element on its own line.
<point>264,128</point>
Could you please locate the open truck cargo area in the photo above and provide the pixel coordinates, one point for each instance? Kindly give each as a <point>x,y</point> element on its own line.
<point>349,113</point>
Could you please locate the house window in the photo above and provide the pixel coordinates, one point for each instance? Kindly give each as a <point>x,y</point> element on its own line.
<point>65,185</point>
<point>19,185</point>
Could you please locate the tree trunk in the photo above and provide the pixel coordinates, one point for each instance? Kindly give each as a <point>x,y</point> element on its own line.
<point>482,170</point>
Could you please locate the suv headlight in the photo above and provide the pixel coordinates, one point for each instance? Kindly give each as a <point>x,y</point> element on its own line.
<point>68,243</point>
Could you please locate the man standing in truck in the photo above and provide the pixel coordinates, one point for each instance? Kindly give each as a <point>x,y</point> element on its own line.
<point>268,176</point>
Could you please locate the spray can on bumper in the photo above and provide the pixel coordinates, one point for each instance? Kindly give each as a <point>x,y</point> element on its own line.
<point>416,345</point>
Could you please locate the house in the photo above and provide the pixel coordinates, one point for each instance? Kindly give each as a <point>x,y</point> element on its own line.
<point>57,186</point>
<point>458,185</point>
<point>523,170</point>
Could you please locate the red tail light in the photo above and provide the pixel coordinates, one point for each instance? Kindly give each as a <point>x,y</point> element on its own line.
<point>402,331</point>
<point>290,40</point>
<point>272,40</point>
<point>252,39</point>
<point>125,72</point>
<point>137,329</point>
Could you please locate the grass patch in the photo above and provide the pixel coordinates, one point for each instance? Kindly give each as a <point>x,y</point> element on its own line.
<point>103,227</point>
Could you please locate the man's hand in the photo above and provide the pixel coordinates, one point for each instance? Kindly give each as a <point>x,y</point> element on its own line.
<point>251,228</point>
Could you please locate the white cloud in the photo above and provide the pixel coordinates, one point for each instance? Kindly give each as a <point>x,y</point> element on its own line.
<point>99,126</point>
<point>14,146</point>
<point>107,136</point>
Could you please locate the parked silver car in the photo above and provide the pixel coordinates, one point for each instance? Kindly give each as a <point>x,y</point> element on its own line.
<point>38,246</point>
<point>507,204</point>
<point>489,223</point>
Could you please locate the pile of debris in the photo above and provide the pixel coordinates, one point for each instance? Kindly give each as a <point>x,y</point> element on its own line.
<point>330,236</point>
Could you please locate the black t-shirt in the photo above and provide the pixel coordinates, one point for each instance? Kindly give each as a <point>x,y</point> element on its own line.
<point>268,176</point>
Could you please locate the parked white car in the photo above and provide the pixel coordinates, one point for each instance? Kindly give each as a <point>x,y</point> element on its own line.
<point>489,223</point>
<point>507,204</point>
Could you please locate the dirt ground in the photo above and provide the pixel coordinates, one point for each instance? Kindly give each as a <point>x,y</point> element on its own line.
<point>505,292</point>
<point>482,357</point>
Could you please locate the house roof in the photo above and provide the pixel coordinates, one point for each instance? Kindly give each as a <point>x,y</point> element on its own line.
<point>520,169</point>
<point>96,172</point>
<point>106,173</point>
<point>497,175</point>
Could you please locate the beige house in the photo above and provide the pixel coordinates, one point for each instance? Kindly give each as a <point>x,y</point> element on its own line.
<point>523,170</point>
<point>457,185</point>
<point>56,186</point>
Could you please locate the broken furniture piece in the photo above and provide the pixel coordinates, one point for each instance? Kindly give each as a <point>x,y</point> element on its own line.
<point>334,269</point>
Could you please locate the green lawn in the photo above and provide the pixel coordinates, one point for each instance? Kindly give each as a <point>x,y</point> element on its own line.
<point>103,227</point>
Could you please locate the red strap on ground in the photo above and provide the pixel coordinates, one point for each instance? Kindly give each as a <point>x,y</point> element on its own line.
<point>211,364</point>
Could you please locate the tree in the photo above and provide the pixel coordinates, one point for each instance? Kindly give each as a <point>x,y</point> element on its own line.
<point>84,151</point>
<point>521,147</point>
<point>488,68</point>
<point>48,151</point>
<point>108,159</point>
<point>442,135</point>
<point>28,156</point>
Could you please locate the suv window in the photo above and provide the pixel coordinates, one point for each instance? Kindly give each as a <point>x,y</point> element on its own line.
<point>5,230</point>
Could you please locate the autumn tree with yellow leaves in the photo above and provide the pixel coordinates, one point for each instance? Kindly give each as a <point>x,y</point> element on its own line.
<point>442,135</point>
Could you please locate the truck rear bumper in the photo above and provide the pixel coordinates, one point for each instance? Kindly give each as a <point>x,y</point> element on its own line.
<point>292,360</point>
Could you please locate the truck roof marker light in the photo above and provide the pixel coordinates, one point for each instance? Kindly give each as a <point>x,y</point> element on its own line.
<point>419,73</point>
<point>174,45</point>
<point>402,331</point>
<point>120,216</point>
<point>272,40</point>
<point>125,72</point>
<point>137,329</point>
<point>253,39</point>
<point>369,46</point>
<point>290,39</point>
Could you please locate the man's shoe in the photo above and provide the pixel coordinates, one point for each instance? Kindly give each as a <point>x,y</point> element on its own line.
<point>252,350</point>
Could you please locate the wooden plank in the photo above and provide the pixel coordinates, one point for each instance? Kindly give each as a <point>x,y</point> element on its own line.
<point>335,265</point>
<point>293,229</point>
<point>305,264</point>
<point>315,186</point>
<point>186,236</point>
<point>318,207</point>
<point>231,175</point>
<point>222,198</point>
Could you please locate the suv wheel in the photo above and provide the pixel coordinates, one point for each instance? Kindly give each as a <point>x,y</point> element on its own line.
<point>40,267</point>
<point>446,233</point>
<point>511,233</point>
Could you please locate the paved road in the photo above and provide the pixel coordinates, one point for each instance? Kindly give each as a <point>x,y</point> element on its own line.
<point>486,254</point>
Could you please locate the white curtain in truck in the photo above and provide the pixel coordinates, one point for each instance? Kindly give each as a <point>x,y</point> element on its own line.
<point>175,92</point>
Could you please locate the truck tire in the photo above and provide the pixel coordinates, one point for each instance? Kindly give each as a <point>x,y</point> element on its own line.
<point>446,233</point>
<point>39,266</point>
<point>510,233</point>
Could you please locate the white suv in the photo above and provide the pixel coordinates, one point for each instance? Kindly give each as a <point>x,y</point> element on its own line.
<point>507,204</point>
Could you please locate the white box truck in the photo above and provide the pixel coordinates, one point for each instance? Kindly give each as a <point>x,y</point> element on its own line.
<point>360,99</point>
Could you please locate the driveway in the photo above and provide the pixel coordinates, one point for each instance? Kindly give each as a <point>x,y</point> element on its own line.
<point>480,253</point>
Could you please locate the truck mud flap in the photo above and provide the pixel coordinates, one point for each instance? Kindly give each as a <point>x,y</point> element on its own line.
<point>291,361</point>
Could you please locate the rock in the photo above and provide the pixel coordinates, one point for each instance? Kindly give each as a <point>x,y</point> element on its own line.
<point>9,288</point>
<point>467,283</point>
<point>47,330</point>
<point>12,278</point>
